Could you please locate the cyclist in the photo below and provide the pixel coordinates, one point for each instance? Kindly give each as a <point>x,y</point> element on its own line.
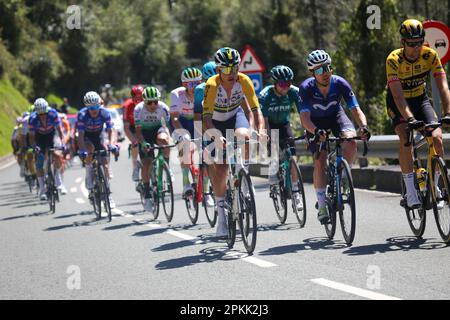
<point>321,110</point>
<point>225,97</point>
<point>276,104</point>
<point>42,125</point>
<point>130,127</point>
<point>90,122</point>
<point>182,117</point>
<point>15,144</point>
<point>407,103</point>
<point>151,118</point>
<point>208,70</point>
<point>24,143</point>
<point>66,132</point>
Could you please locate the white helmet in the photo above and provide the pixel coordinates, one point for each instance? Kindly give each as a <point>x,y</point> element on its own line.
<point>41,105</point>
<point>317,58</point>
<point>91,99</point>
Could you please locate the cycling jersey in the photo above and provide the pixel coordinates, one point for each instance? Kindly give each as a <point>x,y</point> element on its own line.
<point>85,123</point>
<point>150,120</point>
<point>413,75</point>
<point>180,103</point>
<point>311,99</point>
<point>198,97</point>
<point>278,108</point>
<point>128,111</point>
<point>222,107</point>
<point>36,126</point>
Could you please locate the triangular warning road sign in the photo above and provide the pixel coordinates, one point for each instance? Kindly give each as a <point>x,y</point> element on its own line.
<point>250,62</point>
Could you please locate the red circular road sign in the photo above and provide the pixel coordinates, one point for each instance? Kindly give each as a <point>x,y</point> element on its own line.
<point>438,37</point>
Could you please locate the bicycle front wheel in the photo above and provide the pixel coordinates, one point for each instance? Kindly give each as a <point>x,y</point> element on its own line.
<point>211,212</point>
<point>167,193</point>
<point>330,226</point>
<point>104,192</point>
<point>416,217</point>
<point>346,202</point>
<point>247,215</point>
<point>279,199</point>
<point>441,198</point>
<point>228,205</point>
<point>51,192</point>
<point>191,201</point>
<point>300,214</point>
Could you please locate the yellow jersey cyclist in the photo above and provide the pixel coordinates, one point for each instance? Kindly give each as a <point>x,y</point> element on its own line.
<point>151,118</point>
<point>226,94</point>
<point>276,102</point>
<point>407,103</point>
<point>321,110</point>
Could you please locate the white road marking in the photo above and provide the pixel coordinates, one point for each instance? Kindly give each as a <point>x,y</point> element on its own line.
<point>84,190</point>
<point>80,200</point>
<point>385,193</point>
<point>78,180</point>
<point>256,261</point>
<point>73,189</point>
<point>353,290</point>
<point>9,164</point>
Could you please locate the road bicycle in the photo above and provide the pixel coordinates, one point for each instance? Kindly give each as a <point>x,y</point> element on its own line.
<point>432,186</point>
<point>283,190</point>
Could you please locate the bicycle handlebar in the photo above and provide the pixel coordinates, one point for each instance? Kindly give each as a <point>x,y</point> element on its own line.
<point>426,130</point>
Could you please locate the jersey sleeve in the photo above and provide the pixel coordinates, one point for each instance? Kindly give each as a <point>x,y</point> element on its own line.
<point>347,93</point>
<point>249,92</point>
<point>392,66</point>
<point>198,99</point>
<point>137,118</point>
<point>303,103</point>
<point>262,97</point>
<point>209,96</point>
<point>107,119</point>
<point>175,105</point>
<point>80,122</point>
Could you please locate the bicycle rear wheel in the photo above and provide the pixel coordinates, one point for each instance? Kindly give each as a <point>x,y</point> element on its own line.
<point>279,199</point>
<point>51,197</point>
<point>330,227</point>
<point>300,214</point>
<point>442,215</point>
<point>247,215</point>
<point>346,202</point>
<point>191,201</point>
<point>167,193</point>
<point>416,217</point>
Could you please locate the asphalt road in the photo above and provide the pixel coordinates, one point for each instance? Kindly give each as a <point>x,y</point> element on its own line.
<point>69,255</point>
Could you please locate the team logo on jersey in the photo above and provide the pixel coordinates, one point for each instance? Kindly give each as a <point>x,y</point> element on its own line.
<point>324,108</point>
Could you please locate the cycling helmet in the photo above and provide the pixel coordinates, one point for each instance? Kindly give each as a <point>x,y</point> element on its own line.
<point>151,94</point>
<point>227,57</point>
<point>41,105</point>
<point>412,29</point>
<point>136,92</point>
<point>209,70</point>
<point>281,73</point>
<point>191,74</point>
<point>92,99</point>
<point>317,58</point>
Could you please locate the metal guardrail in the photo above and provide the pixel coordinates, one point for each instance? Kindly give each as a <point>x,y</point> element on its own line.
<point>382,147</point>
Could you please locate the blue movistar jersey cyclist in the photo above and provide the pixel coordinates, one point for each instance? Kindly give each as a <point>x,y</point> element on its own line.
<point>311,99</point>
<point>278,108</point>
<point>36,126</point>
<point>90,124</point>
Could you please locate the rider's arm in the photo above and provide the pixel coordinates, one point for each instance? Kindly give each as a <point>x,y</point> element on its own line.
<point>80,128</point>
<point>208,103</point>
<point>175,110</point>
<point>359,117</point>
<point>253,104</point>
<point>128,133</point>
<point>305,118</point>
<point>139,135</point>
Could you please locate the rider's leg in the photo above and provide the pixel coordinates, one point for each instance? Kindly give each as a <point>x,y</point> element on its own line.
<point>349,149</point>
<point>88,167</point>
<point>219,186</point>
<point>320,178</point>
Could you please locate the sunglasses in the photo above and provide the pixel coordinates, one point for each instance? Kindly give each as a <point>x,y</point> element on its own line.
<point>323,69</point>
<point>149,103</point>
<point>414,44</point>
<point>192,84</point>
<point>93,108</point>
<point>284,84</point>
<point>228,70</point>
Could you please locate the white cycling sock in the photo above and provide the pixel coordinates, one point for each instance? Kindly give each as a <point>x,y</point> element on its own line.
<point>321,197</point>
<point>408,178</point>
<point>41,184</point>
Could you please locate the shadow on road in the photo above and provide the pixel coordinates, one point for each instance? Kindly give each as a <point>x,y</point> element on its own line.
<point>89,222</point>
<point>37,214</point>
<point>207,255</point>
<point>82,213</point>
<point>403,243</point>
<point>277,227</point>
<point>308,244</point>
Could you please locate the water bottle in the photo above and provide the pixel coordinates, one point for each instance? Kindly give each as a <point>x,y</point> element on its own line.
<point>421,174</point>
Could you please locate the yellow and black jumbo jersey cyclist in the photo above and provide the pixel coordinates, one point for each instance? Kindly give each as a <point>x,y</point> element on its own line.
<point>226,94</point>
<point>407,102</point>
